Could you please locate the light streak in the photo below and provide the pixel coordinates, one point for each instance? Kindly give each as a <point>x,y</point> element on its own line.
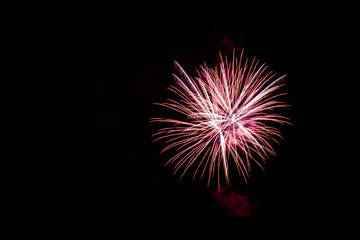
<point>228,115</point>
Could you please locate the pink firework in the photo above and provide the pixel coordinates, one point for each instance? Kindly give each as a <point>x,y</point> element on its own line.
<point>228,116</point>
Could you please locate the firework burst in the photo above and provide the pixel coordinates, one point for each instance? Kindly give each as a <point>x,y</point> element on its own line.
<point>228,116</point>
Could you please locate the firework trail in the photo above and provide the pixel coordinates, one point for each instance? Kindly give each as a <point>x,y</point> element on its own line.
<point>229,116</point>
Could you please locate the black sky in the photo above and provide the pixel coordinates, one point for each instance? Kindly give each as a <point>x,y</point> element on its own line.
<point>112,65</point>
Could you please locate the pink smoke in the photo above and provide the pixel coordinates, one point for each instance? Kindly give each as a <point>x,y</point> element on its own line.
<point>235,204</point>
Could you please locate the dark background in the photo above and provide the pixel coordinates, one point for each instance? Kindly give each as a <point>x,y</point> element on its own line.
<point>113,63</point>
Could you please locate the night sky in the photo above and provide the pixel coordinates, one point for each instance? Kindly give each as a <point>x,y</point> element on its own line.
<point>112,65</point>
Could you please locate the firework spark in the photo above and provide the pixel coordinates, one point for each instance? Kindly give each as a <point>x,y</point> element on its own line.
<point>229,114</point>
